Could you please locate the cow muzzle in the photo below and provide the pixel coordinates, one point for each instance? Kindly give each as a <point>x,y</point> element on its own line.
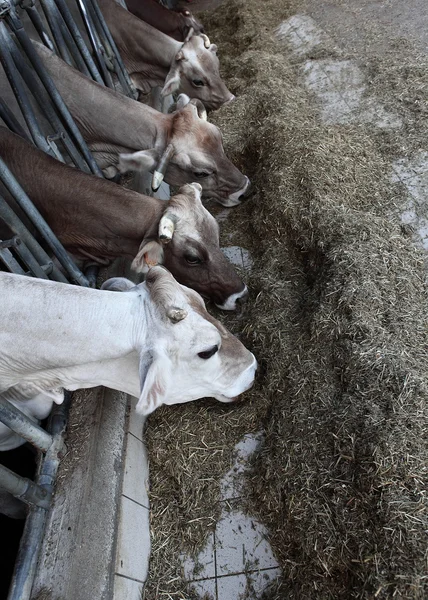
<point>235,301</point>
<point>236,198</point>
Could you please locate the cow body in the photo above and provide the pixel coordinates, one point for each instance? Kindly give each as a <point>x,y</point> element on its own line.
<point>176,24</point>
<point>154,341</point>
<point>112,124</point>
<point>98,220</point>
<point>155,59</point>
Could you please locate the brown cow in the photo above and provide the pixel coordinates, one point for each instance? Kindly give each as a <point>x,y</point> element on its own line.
<point>98,220</point>
<point>176,24</point>
<point>181,145</point>
<point>155,59</point>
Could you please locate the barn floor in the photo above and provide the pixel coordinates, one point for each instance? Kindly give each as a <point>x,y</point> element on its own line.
<point>236,560</point>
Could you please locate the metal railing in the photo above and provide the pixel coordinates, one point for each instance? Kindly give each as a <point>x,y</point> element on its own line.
<point>22,253</point>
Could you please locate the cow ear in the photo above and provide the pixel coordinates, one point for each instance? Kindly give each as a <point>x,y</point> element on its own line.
<point>117,284</point>
<point>182,101</point>
<point>172,82</point>
<point>155,383</point>
<point>149,255</point>
<point>213,48</point>
<point>144,160</point>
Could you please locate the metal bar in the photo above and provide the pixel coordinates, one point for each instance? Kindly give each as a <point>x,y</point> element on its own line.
<point>55,27</point>
<point>31,540</point>
<point>74,30</point>
<point>39,27</point>
<point>122,73</point>
<point>23,488</point>
<point>16,225</point>
<point>18,89</point>
<point>95,42</point>
<point>34,215</point>
<point>29,260</point>
<point>6,257</point>
<point>19,422</point>
<point>45,104</point>
<point>9,118</point>
<point>45,78</point>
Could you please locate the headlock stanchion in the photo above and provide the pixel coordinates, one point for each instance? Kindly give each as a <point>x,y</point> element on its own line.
<point>29,549</point>
<point>22,253</point>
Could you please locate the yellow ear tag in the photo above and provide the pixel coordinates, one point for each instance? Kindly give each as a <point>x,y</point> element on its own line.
<point>149,263</point>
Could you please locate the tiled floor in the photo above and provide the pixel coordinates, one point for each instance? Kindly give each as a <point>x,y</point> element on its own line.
<point>133,538</point>
<point>237,560</point>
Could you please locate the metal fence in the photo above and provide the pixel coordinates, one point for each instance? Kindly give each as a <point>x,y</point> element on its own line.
<point>22,253</point>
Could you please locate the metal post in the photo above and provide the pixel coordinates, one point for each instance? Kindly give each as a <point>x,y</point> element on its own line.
<point>29,549</point>
<point>106,37</point>
<point>38,24</point>
<point>33,214</point>
<point>9,118</point>
<point>24,488</point>
<point>74,30</point>
<point>19,422</point>
<point>18,89</point>
<point>18,228</point>
<point>6,257</point>
<point>16,25</point>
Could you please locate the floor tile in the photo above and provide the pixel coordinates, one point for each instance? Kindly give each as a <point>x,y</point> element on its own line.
<point>203,565</point>
<point>136,421</point>
<point>232,482</point>
<point>205,589</point>
<point>136,471</point>
<point>133,545</point>
<point>241,544</point>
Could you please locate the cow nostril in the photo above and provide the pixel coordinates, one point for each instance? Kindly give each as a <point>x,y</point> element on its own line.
<point>246,189</point>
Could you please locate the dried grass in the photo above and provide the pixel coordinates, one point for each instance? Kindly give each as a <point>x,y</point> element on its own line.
<point>338,321</point>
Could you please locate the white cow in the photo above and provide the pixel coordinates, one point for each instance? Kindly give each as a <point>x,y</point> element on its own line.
<point>156,341</point>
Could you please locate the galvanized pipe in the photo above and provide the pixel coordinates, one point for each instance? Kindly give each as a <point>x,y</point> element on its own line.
<point>45,104</point>
<point>6,257</point>
<point>46,79</point>
<point>57,33</point>
<point>122,73</point>
<point>24,489</point>
<point>29,260</point>
<point>31,540</point>
<point>19,422</point>
<point>9,118</point>
<point>18,228</point>
<point>39,27</point>
<point>74,30</point>
<point>33,214</point>
<point>95,42</point>
<point>18,89</point>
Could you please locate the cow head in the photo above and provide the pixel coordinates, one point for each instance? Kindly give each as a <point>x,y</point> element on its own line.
<point>187,243</point>
<point>189,355</point>
<point>194,153</point>
<point>195,71</point>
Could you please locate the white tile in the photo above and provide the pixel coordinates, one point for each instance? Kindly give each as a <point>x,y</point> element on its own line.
<point>409,167</point>
<point>133,544</point>
<point>136,471</point>
<point>203,565</point>
<point>204,589</point>
<point>232,482</point>
<point>246,585</point>
<point>238,256</point>
<point>136,421</point>
<point>126,589</point>
<point>241,544</point>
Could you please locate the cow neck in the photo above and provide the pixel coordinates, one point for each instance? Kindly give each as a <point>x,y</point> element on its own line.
<point>143,48</point>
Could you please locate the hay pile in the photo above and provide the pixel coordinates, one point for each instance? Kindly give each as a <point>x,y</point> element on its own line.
<point>338,321</point>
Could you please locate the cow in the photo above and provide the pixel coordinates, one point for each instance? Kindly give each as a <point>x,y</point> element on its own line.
<point>154,341</point>
<point>155,59</point>
<point>181,147</point>
<point>98,220</point>
<point>176,24</point>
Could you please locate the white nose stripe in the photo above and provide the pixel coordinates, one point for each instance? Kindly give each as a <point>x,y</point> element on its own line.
<point>230,303</point>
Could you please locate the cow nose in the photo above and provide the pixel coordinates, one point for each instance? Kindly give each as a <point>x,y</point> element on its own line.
<point>243,299</point>
<point>231,99</point>
<point>246,188</point>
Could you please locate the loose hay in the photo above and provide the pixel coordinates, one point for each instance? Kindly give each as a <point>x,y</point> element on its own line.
<point>338,322</point>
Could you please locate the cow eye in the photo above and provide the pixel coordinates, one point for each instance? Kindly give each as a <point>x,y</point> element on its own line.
<point>208,353</point>
<point>198,82</point>
<point>192,259</point>
<point>200,174</point>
